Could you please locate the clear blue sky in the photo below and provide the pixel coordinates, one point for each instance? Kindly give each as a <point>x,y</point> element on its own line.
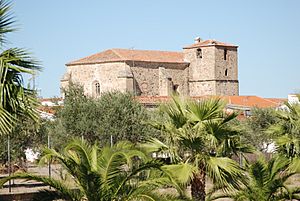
<point>267,32</point>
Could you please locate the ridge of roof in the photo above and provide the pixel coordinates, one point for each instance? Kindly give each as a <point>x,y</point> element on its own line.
<point>271,101</point>
<point>210,42</point>
<point>100,57</point>
<point>139,50</point>
<point>277,100</point>
<point>116,52</point>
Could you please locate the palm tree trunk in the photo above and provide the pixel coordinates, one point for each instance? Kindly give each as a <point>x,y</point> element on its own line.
<point>198,184</point>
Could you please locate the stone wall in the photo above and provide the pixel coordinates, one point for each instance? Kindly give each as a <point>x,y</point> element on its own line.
<point>226,72</point>
<point>146,77</point>
<point>110,76</point>
<point>141,78</point>
<point>201,68</point>
<point>28,196</point>
<point>230,64</point>
<point>202,88</point>
<point>212,74</point>
<point>201,71</point>
<point>165,84</point>
<point>209,75</point>
<point>229,88</point>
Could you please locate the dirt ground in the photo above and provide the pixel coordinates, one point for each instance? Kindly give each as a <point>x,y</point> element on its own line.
<point>22,186</point>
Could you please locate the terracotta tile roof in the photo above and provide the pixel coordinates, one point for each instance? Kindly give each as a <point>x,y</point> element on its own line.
<point>250,101</point>
<point>114,55</point>
<point>47,109</point>
<point>207,43</point>
<point>243,101</point>
<point>51,99</point>
<point>152,99</point>
<point>278,100</point>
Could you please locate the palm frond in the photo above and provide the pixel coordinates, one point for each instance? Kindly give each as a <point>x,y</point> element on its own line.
<point>6,20</point>
<point>82,153</point>
<point>7,121</point>
<point>154,145</point>
<point>181,173</point>
<point>203,110</point>
<point>15,99</point>
<point>175,111</point>
<point>267,181</point>
<point>259,172</point>
<point>157,147</point>
<point>294,165</point>
<point>121,185</point>
<point>150,195</point>
<point>225,172</point>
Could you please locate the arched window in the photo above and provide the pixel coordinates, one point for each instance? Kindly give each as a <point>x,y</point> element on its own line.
<point>97,89</point>
<point>226,72</point>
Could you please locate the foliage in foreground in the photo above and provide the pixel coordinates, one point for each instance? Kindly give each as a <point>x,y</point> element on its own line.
<point>287,131</point>
<point>267,182</point>
<point>110,173</point>
<point>16,100</point>
<point>18,103</point>
<point>197,133</point>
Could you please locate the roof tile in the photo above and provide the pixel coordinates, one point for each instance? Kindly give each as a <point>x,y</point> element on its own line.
<point>114,55</point>
<point>207,43</point>
<point>244,101</point>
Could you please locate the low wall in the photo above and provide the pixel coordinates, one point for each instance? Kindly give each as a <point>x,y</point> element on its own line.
<point>17,197</point>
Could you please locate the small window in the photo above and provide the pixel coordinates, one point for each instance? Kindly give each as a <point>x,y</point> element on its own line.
<point>175,88</point>
<point>225,54</point>
<point>97,88</point>
<point>247,113</point>
<point>226,72</point>
<point>199,53</point>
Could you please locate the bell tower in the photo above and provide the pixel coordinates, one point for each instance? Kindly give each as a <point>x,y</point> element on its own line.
<point>213,68</point>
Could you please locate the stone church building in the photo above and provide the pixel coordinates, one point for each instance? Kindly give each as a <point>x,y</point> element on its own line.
<point>204,68</point>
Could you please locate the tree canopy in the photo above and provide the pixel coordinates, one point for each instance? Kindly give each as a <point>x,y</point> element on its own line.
<point>197,133</point>
<point>114,114</point>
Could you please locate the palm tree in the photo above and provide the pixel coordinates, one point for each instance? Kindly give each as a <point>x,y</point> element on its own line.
<point>287,134</point>
<point>15,99</point>
<point>198,133</point>
<point>110,173</point>
<point>267,182</point>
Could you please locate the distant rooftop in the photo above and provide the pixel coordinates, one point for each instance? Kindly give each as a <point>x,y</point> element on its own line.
<point>241,101</point>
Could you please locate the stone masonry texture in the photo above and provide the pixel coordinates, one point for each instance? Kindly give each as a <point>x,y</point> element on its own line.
<point>208,68</point>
